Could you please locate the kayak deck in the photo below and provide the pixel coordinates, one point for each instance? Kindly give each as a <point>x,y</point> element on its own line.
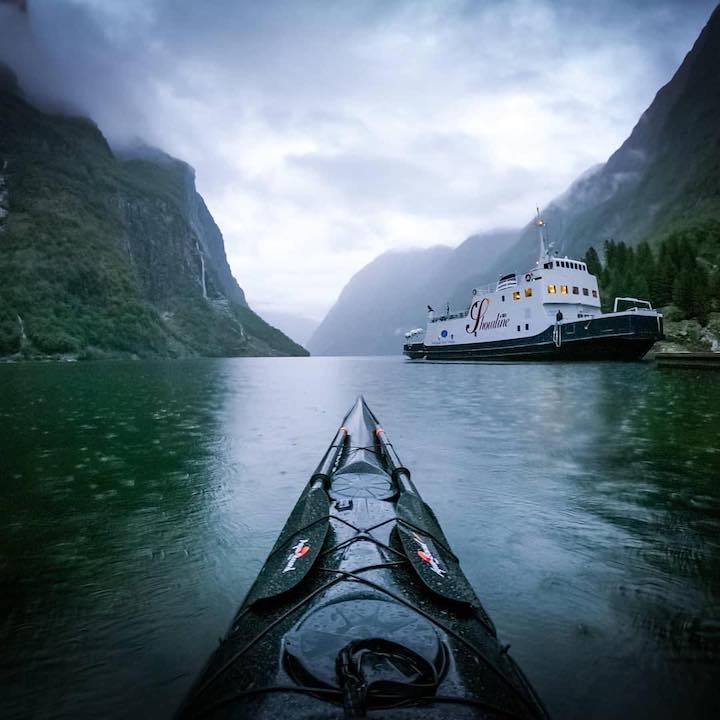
<point>361,609</point>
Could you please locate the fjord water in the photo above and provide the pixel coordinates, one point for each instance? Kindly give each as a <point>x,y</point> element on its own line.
<point>140,499</point>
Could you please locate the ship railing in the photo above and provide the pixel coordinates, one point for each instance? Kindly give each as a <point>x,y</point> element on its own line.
<point>489,288</point>
<point>451,316</point>
<point>636,305</point>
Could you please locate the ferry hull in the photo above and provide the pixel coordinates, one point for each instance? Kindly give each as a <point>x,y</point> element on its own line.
<point>628,337</point>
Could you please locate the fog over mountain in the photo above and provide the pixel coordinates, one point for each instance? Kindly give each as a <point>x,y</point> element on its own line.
<point>297,327</point>
<point>326,134</point>
<point>389,295</point>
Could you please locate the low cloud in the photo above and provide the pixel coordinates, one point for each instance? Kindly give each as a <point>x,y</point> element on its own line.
<point>325,133</point>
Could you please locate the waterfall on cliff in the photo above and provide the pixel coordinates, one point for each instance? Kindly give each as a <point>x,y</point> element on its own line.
<point>202,267</point>
<point>23,337</point>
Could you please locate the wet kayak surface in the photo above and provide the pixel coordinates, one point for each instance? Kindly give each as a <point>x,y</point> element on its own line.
<point>139,501</point>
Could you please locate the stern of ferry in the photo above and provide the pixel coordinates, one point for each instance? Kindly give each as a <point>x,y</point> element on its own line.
<point>414,346</point>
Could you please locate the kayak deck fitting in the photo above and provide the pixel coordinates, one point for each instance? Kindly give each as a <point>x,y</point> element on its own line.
<point>361,609</point>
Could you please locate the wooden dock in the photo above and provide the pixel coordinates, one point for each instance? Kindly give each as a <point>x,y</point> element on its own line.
<point>705,360</point>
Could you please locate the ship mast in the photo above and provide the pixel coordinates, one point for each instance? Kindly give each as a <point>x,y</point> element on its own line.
<point>542,231</point>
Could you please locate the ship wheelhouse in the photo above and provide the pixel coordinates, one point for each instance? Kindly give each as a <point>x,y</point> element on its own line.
<point>568,288</point>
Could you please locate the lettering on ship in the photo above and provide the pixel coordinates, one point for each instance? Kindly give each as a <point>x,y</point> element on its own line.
<point>478,311</point>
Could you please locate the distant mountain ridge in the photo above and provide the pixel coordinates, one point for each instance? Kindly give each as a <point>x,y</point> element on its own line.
<point>297,327</point>
<point>106,253</point>
<point>664,177</point>
<point>390,295</point>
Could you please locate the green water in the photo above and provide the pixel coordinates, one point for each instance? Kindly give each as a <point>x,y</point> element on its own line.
<point>138,501</point>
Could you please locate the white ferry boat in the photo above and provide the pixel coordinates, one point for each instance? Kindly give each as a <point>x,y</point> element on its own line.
<point>550,312</point>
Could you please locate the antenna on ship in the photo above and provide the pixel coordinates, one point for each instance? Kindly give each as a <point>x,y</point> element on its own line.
<point>542,230</point>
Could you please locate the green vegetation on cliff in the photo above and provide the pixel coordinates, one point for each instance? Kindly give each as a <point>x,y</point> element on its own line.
<point>682,269</point>
<point>106,255</point>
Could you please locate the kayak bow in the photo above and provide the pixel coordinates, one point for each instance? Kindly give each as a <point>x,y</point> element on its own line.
<point>361,609</point>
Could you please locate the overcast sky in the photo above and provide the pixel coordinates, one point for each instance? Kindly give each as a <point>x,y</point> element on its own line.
<point>324,133</point>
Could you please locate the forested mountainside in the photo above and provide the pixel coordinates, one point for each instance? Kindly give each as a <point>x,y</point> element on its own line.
<point>390,295</point>
<point>663,181</point>
<point>106,254</point>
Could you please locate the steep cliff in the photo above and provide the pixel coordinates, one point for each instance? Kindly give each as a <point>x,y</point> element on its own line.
<point>104,253</point>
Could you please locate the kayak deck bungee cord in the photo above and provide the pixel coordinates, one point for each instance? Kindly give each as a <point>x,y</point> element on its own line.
<point>361,609</point>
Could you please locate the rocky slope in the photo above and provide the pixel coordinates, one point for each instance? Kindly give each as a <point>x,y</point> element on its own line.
<point>664,178</point>
<point>106,254</point>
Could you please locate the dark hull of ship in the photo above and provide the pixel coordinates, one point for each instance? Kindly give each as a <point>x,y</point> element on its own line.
<point>627,337</point>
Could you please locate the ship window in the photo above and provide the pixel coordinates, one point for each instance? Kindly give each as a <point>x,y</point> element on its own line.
<point>563,289</point>
<point>576,290</point>
<point>585,291</point>
<point>550,264</point>
<point>518,328</point>
<point>552,289</point>
<point>594,293</point>
<point>528,292</point>
<point>516,295</point>
<point>503,298</point>
<point>527,327</point>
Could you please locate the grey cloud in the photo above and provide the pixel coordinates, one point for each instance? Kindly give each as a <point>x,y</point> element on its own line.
<point>311,112</point>
<point>384,183</point>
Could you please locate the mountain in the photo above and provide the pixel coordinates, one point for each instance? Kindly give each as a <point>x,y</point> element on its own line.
<point>390,295</point>
<point>665,178</point>
<point>297,327</point>
<point>110,253</point>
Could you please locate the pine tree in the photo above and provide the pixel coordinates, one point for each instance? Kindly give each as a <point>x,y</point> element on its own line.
<point>700,301</point>
<point>662,282</point>
<point>683,294</point>
<point>593,262</point>
<point>645,267</point>
<point>641,289</point>
<point>714,290</point>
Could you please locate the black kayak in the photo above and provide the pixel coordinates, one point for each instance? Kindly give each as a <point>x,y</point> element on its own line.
<point>361,609</point>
